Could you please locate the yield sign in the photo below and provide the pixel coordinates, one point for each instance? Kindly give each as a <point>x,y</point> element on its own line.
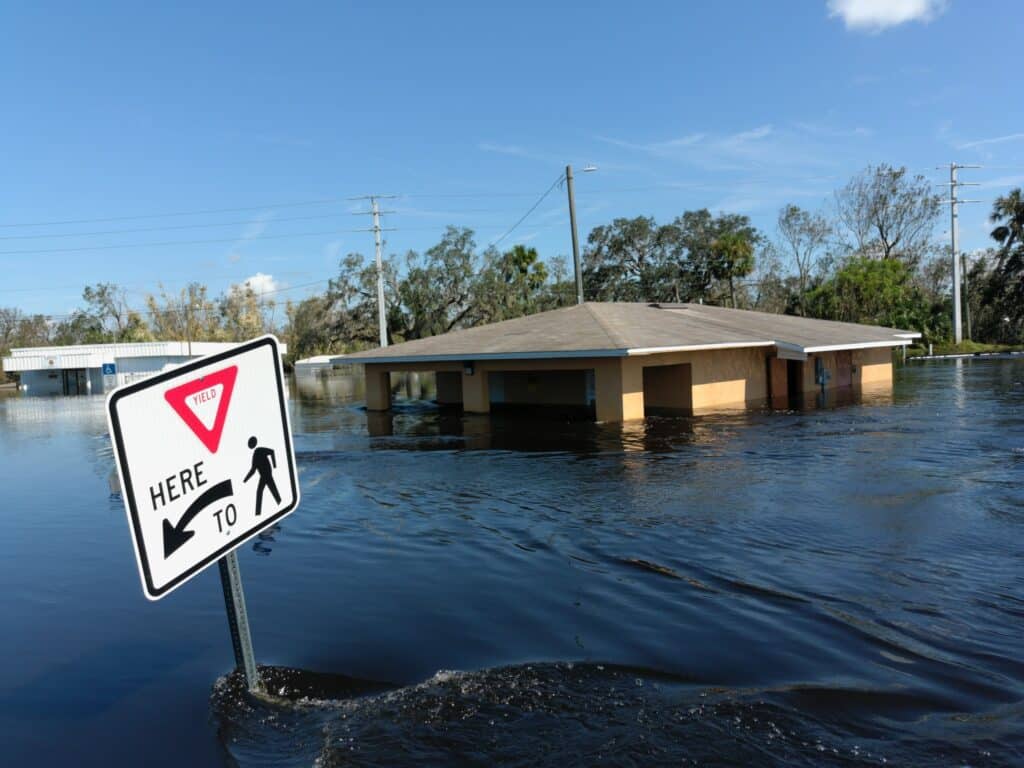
<point>209,472</point>
<point>197,400</point>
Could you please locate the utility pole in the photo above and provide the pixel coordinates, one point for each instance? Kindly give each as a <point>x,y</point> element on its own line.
<point>954,246</point>
<point>382,317</point>
<point>967,296</point>
<point>375,211</point>
<point>575,235</point>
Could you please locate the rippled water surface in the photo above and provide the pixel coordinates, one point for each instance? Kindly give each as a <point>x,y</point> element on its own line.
<point>834,586</point>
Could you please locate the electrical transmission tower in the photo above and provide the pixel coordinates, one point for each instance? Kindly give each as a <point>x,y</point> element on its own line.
<point>382,315</point>
<point>954,245</point>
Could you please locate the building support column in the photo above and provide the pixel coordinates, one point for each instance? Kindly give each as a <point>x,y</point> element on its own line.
<point>476,397</point>
<point>619,389</point>
<point>378,389</point>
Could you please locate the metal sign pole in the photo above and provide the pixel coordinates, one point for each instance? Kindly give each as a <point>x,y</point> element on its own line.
<point>238,620</point>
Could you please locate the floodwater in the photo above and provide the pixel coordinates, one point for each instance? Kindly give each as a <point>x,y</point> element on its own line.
<point>840,586</point>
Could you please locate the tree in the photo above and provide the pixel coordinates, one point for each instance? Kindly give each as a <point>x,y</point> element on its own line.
<point>774,290</point>
<point>33,331</point>
<point>242,314</point>
<point>188,315</point>
<point>351,312</point>
<point>804,236</point>
<point>108,303</point>
<point>309,330</point>
<point>879,292</point>
<point>1005,285</point>
<point>562,289</point>
<point>698,241</point>
<point>511,284</point>
<point>638,260</point>
<point>79,328</point>
<point>437,291</point>
<point>732,258</point>
<point>886,213</point>
<point>10,320</point>
<point>630,260</point>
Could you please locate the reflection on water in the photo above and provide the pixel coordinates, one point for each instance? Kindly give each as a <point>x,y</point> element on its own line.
<point>837,584</point>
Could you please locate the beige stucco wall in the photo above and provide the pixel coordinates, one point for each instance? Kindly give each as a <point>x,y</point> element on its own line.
<point>872,366</point>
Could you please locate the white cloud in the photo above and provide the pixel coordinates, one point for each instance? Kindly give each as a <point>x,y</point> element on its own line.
<point>252,231</point>
<point>876,15</point>
<point>260,284</point>
<point>514,150</point>
<point>994,140</point>
<point>752,135</point>
<point>760,148</point>
<point>1002,182</point>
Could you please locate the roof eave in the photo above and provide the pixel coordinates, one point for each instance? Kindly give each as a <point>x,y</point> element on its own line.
<point>901,342</point>
<point>458,358</point>
<point>697,347</point>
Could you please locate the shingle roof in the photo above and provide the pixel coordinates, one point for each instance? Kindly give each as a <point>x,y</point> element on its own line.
<point>618,329</point>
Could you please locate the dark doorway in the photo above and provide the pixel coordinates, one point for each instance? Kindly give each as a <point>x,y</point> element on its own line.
<point>565,393</point>
<point>844,368</point>
<point>74,381</point>
<point>794,379</point>
<point>668,389</point>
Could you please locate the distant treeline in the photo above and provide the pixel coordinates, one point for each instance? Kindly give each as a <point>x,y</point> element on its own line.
<point>869,256</point>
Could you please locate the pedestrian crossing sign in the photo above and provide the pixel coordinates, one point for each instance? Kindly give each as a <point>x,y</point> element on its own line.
<point>206,460</point>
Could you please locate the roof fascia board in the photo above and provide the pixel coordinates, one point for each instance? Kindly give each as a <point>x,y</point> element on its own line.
<point>861,345</point>
<point>342,359</point>
<point>697,347</point>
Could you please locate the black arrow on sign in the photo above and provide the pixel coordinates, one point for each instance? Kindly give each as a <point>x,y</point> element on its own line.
<point>176,535</point>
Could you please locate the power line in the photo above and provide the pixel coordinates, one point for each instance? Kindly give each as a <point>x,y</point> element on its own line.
<point>200,212</point>
<point>682,185</point>
<point>206,305</point>
<point>532,208</point>
<point>176,213</point>
<point>160,229</point>
<point>178,242</point>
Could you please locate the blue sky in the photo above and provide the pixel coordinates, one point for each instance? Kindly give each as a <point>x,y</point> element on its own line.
<point>468,111</point>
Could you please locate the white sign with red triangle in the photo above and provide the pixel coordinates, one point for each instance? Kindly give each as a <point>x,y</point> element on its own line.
<point>206,460</point>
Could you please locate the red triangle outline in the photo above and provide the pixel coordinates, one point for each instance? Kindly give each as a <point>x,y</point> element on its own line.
<point>176,397</point>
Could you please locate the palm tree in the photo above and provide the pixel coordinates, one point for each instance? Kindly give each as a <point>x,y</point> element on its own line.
<point>1008,211</point>
<point>733,257</point>
<point>1006,288</point>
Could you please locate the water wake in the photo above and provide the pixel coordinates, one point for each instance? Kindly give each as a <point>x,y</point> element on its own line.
<point>569,714</point>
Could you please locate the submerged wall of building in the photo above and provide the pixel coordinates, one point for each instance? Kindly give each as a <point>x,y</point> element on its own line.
<point>623,388</point>
<point>42,382</point>
<point>559,387</point>
<point>870,367</point>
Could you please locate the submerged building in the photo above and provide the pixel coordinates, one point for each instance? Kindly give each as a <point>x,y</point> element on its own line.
<point>623,361</point>
<point>98,368</point>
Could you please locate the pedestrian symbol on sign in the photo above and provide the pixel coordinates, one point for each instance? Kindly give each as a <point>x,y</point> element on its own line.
<point>264,462</point>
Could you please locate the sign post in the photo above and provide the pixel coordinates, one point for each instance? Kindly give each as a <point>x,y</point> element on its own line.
<point>238,620</point>
<point>206,461</point>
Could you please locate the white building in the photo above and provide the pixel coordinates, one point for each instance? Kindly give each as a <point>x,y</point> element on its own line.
<point>99,368</point>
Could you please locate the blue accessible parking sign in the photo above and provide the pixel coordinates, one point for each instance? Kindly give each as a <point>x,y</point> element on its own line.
<point>109,369</point>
